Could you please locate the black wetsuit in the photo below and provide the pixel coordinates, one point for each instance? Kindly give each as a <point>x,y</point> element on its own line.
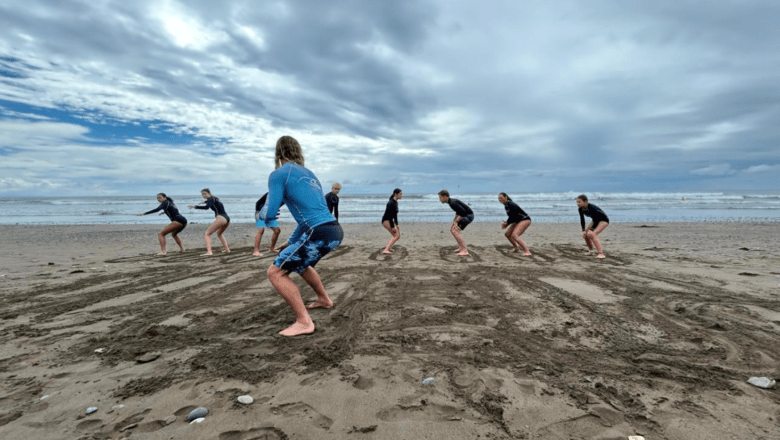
<point>169,208</point>
<point>515,213</point>
<point>463,210</point>
<point>215,205</point>
<point>391,212</point>
<point>333,204</point>
<point>595,213</point>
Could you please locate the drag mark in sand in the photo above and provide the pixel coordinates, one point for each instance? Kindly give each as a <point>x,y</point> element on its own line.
<point>399,253</point>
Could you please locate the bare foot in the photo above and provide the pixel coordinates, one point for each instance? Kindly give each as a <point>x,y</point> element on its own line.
<point>207,254</point>
<point>257,254</point>
<point>161,254</point>
<point>273,250</point>
<point>601,256</point>
<point>298,329</point>
<point>225,251</point>
<point>527,254</point>
<point>589,253</point>
<point>457,250</point>
<point>517,249</point>
<point>320,305</point>
<point>463,253</point>
<point>182,250</point>
<point>387,252</point>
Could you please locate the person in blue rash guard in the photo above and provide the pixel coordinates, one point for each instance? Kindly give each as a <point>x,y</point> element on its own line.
<point>261,225</point>
<point>599,222</point>
<point>332,199</point>
<point>516,223</point>
<point>178,222</point>
<point>463,216</point>
<point>221,219</point>
<point>317,233</point>
<point>390,219</point>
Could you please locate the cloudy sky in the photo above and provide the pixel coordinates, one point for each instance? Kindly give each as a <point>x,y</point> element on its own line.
<point>136,97</point>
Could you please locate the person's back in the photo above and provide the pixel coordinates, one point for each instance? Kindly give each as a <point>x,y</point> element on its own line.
<point>301,191</point>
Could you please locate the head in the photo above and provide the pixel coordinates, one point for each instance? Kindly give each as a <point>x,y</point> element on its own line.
<point>444,196</point>
<point>161,197</point>
<point>335,188</point>
<point>503,197</point>
<point>397,194</point>
<point>582,201</point>
<point>288,149</point>
<point>206,193</point>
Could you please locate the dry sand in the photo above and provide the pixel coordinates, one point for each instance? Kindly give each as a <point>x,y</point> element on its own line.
<point>656,340</point>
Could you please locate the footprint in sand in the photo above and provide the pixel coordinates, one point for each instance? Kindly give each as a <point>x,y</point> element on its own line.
<point>448,254</point>
<point>422,411</point>
<point>399,253</point>
<point>536,256</point>
<point>302,411</point>
<point>89,425</point>
<point>254,434</point>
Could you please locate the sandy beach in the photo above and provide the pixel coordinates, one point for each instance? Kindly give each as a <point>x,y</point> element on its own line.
<point>656,340</point>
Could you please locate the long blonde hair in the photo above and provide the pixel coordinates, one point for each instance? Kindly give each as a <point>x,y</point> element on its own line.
<point>287,148</point>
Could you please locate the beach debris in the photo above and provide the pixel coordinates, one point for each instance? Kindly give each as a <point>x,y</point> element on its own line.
<point>744,249</point>
<point>101,350</point>
<point>197,413</point>
<point>635,437</point>
<point>116,407</point>
<point>91,409</point>
<point>51,264</point>
<point>45,397</point>
<point>246,400</point>
<point>365,430</point>
<point>762,382</point>
<point>170,420</point>
<point>198,420</point>
<point>748,274</point>
<point>147,357</point>
<point>428,381</point>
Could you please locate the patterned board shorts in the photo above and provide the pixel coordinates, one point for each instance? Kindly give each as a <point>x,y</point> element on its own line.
<point>310,248</point>
<point>269,224</point>
<point>464,221</point>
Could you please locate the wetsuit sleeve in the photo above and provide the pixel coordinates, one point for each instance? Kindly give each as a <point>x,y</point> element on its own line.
<point>336,207</point>
<point>157,209</point>
<point>276,183</point>
<point>329,201</point>
<point>204,205</point>
<point>582,218</point>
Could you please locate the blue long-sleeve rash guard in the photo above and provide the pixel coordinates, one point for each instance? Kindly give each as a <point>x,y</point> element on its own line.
<point>301,191</point>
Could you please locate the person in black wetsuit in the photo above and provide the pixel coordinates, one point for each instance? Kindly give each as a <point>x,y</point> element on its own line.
<point>260,211</point>
<point>599,222</point>
<point>463,216</point>
<point>390,219</point>
<point>178,222</point>
<point>332,199</point>
<point>516,223</point>
<point>221,219</point>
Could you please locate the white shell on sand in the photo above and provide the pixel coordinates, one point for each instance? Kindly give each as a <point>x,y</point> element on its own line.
<point>246,400</point>
<point>91,409</point>
<point>45,397</point>
<point>762,382</point>
<point>197,413</point>
<point>198,420</point>
<point>100,350</point>
<point>428,381</point>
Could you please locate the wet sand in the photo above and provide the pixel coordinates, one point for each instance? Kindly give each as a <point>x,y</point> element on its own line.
<point>656,340</point>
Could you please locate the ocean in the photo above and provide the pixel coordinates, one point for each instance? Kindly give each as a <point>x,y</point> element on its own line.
<point>542,207</point>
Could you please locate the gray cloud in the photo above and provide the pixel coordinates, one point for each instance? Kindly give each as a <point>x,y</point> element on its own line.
<point>643,95</point>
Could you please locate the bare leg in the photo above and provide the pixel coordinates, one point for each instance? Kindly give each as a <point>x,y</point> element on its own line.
<point>461,244</point>
<point>396,236</point>
<point>176,238</point>
<point>289,292</point>
<point>586,234</point>
<point>258,240</point>
<point>517,232</point>
<point>595,238</point>
<point>274,237</point>
<point>214,227</point>
<point>313,278</point>
<point>221,229</point>
<point>170,227</point>
<point>508,235</point>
